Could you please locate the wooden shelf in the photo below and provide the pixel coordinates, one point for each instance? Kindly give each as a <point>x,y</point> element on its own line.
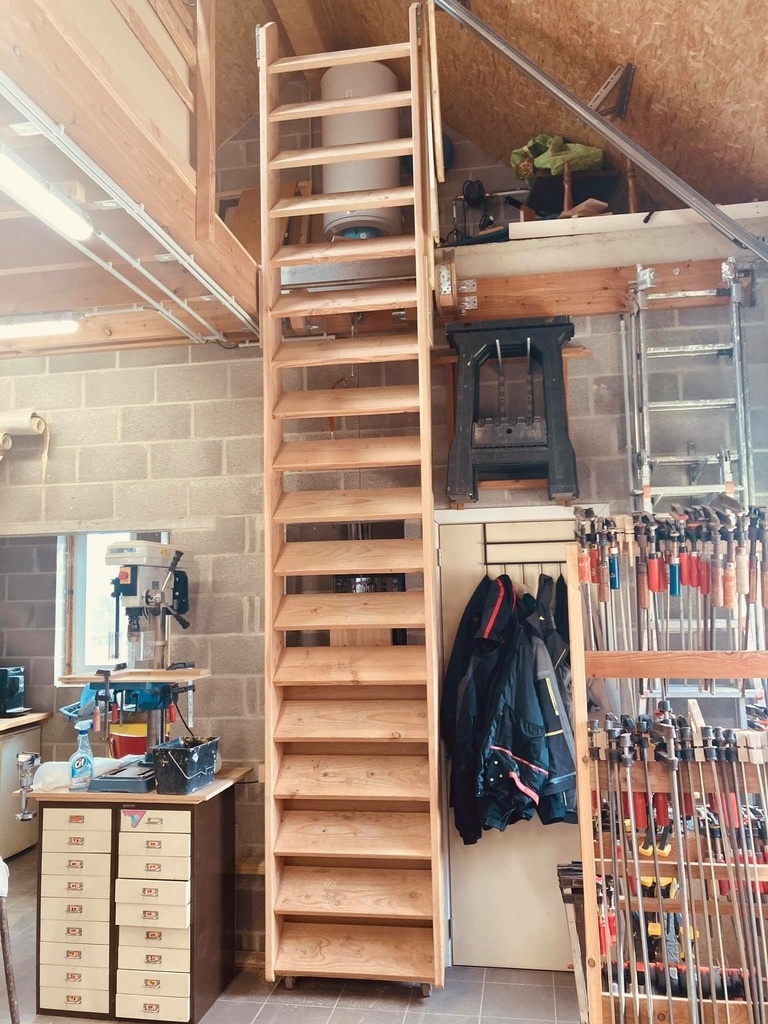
<point>355,892</point>
<point>141,677</point>
<point>374,348</point>
<point>356,951</point>
<point>367,506</point>
<point>353,834</point>
<point>352,777</point>
<point>323,155</point>
<point>326,558</point>
<point>351,611</point>
<point>24,721</point>
<point>354,666</point>
<point>352,721</point>
<point>348,453</point>
<point>347,402</point>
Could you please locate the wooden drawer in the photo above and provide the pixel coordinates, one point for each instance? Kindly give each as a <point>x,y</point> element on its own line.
<point>149,983</point>
<point>154,867</point>
<point>76,865</point>
<point>75,978</point>
<point>74,955</point>
<point>149,892</point>
<point>56,908</point>
<point>143,845</point>
<point>153,958</point>
<point>136,819</point>
<point>95,887</point>
<point>78,819</point>
<point>76,840</point>
<point>74,1002</point>
<point>90,933</point>
<point>155,938</point>
<point>145,1008</point>
<point>160,917</point>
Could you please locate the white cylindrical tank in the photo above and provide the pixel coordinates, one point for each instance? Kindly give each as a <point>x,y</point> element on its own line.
<point>347,81</point>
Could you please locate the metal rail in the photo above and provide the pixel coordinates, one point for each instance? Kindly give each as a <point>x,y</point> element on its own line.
<point>640,157</point>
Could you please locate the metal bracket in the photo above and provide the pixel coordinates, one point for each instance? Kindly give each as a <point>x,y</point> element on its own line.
<point>620,79</point>
<point>646,278</point>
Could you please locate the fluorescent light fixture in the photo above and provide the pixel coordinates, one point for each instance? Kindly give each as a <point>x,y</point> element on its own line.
<point>12,327</point>
<point>25,186</point>
<point>25,129</point>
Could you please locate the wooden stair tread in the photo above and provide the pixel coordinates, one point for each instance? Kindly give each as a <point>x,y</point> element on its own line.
<point>374,349</point>
<point>317,156</point>
<point>326,558</point>
<point>348,453</point>
<point>310,61</point>
<point>363,506</point>
<point>367,298</point>
<point>351,611</point>
<point>340,202</point>
<point>356,951</point>
<point>353,834</point>
<point>344,105</point>
<point>250,866</point>
<point>347,402</point>
<point>352,777</point>
<point>355,892</point>
<point>352,721</point>
<point>317,666</point>
<point>341,250</point>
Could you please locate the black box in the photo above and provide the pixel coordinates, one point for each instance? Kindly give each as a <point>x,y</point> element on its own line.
<point>184,765</point>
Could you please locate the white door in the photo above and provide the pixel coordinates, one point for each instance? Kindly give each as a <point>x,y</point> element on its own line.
<point>15,835</point>
<point>506,908</point>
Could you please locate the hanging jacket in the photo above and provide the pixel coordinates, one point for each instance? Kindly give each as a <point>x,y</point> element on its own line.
<point>461,653</point>
<point>500,760</point>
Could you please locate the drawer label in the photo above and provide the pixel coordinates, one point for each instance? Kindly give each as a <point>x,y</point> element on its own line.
<point>154,844</point>
<point>74,933</point>
<point>74,886</point>
<point>74,1000</point>
<point>74,954</point>
<point>154,959</point>
<point>73,976</point>
<point>76,841</point>
<point>74,908</point>
<point>153,936</point>
<point>75,865</point>
<point>151,1007</point>
<point>150,915</point>
<point>153,866</point>
<point>150,891</point>
<point>76,819</point>
<point>151,983</point>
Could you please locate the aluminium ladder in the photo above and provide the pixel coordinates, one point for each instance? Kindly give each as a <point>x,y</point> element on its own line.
<point>638,354</point>
<point>353,839</point>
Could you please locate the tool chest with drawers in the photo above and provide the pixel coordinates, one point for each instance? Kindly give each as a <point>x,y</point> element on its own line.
<point>136,914</point>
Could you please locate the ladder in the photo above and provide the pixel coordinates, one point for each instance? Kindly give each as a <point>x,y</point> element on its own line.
<point>353,871</point>
<point>639,356</point>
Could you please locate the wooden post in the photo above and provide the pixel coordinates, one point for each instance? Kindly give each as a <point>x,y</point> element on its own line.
<point>205,121</point>
<point>567,187</point>
<point>631,187</point>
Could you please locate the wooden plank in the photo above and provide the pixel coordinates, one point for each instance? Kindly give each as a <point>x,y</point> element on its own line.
<point>356,951</point>
<point>344,105</point>
<point>355,892</point>
<point>352,777</point>
<point>354,834</point>
<point>662,778</point>
<point>326,558</point>
<point>66,75</point>
<point>178,22</point>
<point>224,779</point>
<point>306,25</point>
<point>320,666</point>
<point>250,866</point>
<point>351,611</point>
<point>321,155</point>
<point>139,28</point>
<point>738,1012</point>
<point>352,300</point>
<point>677,664</point>
<point>340,250</point>
<point>347,402</point>
<point>334,202</point>
<point>366,506</point>
<point>348,453</point>
<point>246,222</point>
<point>329,60</point>
<point>24,721</point>
<point>434,85</point>
<point>352,721</point>
<point>370,349</point>
<point>205,120</point>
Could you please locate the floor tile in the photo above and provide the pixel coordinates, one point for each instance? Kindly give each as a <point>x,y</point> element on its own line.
<point>519,1002</point>
<point>440,1018</point>
<point>354,1015</point>
<point>278,1013</point>
<point>564,979</point>
<point>232,1012</point>
<point>508,1020</point>
<point>458,997</point>
<point>372,995</point>
<point>566,1004</point>
<point>309,992</point>
<point>465,973</point>
<point>514,976</point>
<point>249,985</point>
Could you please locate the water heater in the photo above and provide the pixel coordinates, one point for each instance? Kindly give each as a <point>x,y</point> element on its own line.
<point>346,82</point>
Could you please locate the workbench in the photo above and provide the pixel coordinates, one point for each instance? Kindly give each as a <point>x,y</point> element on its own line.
<point>17,734</point>
<point>136,907</point>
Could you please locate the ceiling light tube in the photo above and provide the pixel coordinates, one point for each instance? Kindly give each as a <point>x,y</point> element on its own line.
<point>15,327</point>
<point>27,188</point>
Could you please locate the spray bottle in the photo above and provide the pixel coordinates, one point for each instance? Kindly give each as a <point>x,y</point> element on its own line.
<point>81,762</point>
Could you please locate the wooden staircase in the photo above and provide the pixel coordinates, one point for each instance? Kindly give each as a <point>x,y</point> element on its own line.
<point>353,838</point>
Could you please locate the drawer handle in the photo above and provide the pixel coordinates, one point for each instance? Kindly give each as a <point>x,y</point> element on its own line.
<point>74,1000</point>
<point>74,933</point>
<point>153,867</point>
<point>151,983</point>
<point>75,865</point>
<point>151,1007</point>
<point>72,976</point>
<point>154,821</point>
<point>154,844</point>
<point>76,819</point>
<point>150,915</point>
<point>74,954</point>
<point>153,959</point>
<point>74,886</point>
<point>150,891</point>
<point>76,841</point>
<point>153,936</point>
<point>74,908</point>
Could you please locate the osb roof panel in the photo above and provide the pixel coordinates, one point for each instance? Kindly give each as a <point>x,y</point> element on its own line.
<point>699,91</point>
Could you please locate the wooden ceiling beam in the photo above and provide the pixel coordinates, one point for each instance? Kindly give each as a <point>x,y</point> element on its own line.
<point>308,30</point>
<point>66,76</point>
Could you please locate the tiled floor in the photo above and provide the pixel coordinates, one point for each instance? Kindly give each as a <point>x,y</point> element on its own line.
<point>472,995</point>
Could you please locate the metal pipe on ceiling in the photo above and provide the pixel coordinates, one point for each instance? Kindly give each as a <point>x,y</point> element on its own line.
<point>639,156</point>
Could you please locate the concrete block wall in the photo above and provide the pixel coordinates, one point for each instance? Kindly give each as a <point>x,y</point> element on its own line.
<point>147,440</point>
